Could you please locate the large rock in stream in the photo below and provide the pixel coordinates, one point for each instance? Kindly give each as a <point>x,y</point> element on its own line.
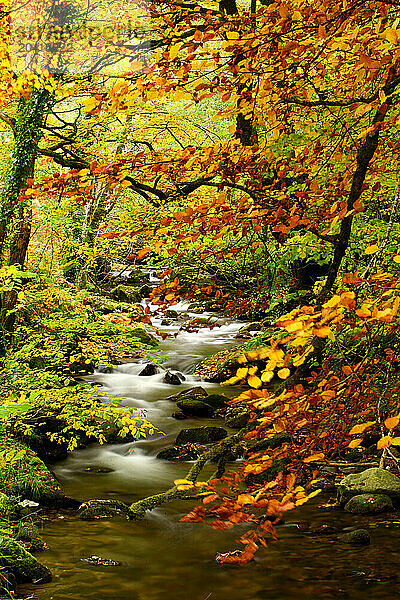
<point>369,504</point>
<point>21,564</point>
<point>371,481</point>
<point>201,435</point>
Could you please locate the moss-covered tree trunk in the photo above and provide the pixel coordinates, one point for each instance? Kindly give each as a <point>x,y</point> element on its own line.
<point>15,216</point>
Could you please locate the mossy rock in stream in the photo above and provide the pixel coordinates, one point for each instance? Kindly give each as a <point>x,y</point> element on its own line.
<point>216,400</point>
<point>9,507</point>
<point>201,435</point>
<point>25,568</point>
<point>369,504</point>
<point>28,532</point>
<point>358,536</point>
<point>27,475</point>
<point>370,481</point>
<point>220,366</point>
<point>184,452</point>
<point>195,408</point>
<point>126,293</point>
<point>103,509</point>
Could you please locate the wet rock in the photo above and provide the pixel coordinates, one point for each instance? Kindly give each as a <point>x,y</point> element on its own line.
<point>216,400</point>
<point>370,481</point>
<point>179,416</point>
<point>28,532</point>
<point>10,507</point>
<point>197,392</point>
<point>145,291</point>
<point>97,561</point>
<point>166,322</point>
<point>143,336</point>
<point>195,408</point>
<point>171,314</point>
<point>358,536</point>
<point>237,416</point>
<point>323,530</point>
<point>201,435</point>
<point>249,329</point>
<point>103,509</point>
<point>171,379</point>
<point>126,293</point>
<point>369,503</point>
<point>97,470</point>
<point>185,452</point>
<point>105,369</point>
<point>24,566</point>
<point>148,371</point>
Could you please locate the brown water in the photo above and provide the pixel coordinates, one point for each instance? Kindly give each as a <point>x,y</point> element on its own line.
<point>162,559</point>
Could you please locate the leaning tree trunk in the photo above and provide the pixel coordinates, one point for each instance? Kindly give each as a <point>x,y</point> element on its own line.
<point>15,216</point>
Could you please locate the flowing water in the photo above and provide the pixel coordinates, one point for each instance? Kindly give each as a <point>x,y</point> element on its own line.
<point>162,559</point>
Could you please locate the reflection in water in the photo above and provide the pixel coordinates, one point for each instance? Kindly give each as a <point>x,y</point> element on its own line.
<point>162,559</point>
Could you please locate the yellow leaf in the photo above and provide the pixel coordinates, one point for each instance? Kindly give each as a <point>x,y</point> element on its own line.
<point>371,249</point>
<point>284,373</point>
<point>183,482</point>
<point>90,104</point>
<point>254,381</point>
<point>232,35</point>
<point>322,331</point>
<point>396,441</point>
<point>361,428</point>
<point>242,359</point>
<point>396,258</point>
<point>384,442</point>
<point>125,183</point>
<point>296,16</point>
<point>242,372</point>
<point>174,51</point>
<point>21,295</point>
<point>392,422</point>
<point>355,443</point>
<point>313,457</point>
<point>169,297</point>
<point>252,354</point>
<point>267,376</point>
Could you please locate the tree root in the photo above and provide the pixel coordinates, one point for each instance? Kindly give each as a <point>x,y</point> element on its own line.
<point>137,510</point>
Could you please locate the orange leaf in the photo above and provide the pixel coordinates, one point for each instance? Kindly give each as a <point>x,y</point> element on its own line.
<point>355,443</point>
<point>392,422</point>
<point>313,457</point>
<point>384,442</point>
<point>361,428</point>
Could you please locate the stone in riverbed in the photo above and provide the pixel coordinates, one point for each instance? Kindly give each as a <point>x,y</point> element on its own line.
<point>15,559</point>
<point>184,452</point>
<point>100,562</point>
<point>370,481</point>
<point>368,503</point>
<point>195,408</point>
<point>197,392</point>
<point>216,400</point>
<point>201,435</point>
<point>148,370</point>
<point>358,536</point>
<point>237,416</point>
<point>103,509</point>
<point>171,379</point>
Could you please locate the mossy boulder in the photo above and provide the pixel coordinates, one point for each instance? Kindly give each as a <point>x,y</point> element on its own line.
<point>201,435</point>
<point>369,503</point>
<point>195,408</point>
<point>24,566</point>
<point>220,366</point>
<point>26,474</point>
<point>194,392</point>
<point>126,293</point>
<point>237,416</point>
<point>103,509</point>
<point>187,451</point>
<point>371,481</point>
<point>143,335</point>
<point>358,536</point>
<point>9,507</point>
<point>28,533</point>
<point>216,400</point>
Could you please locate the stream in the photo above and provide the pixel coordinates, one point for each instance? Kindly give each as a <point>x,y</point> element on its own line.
<point>162,559</point>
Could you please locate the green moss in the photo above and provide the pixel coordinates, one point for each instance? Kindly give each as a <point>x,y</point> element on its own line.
<point>22,473</point>
<point>369,503</point>
<point>28,532</point>
<point>358,536</point>
<point>103,509</point>
<point>24,566</point>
